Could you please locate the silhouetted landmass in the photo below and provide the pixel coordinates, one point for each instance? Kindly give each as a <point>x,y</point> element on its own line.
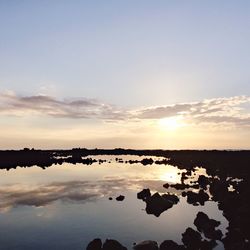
<point>224,163</point>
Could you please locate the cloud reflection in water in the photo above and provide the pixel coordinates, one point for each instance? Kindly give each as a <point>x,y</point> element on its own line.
<point>15,195</point>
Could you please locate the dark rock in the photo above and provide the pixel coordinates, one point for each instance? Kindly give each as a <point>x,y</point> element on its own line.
<point>218,189</point>
<point>195,198</point>
<point>213,234</point>
<point>171,197</point>
<point>120,198</point>
<point>146,161</point>
<point>145,193</point>
<point>133,161</point>
<point>146,245</point>
<point>166,185</point>
<point>203,181</point>
<point>235,240</point>
<point>208,245</point>
<point>87,161</point>
<point>95,244</point>
<point>113,245</point>
<point>207,226</point>
<point>202,219</point>
<point>110,198</point>
<point>203,196</point>
<point>180,186</point>
<point>164,161</point>
<point>195,186</point>
<point>191,238</point>
<point>170,245</point>
<point>192,197</point>
<point>184,177</point>
<point>156,204</point>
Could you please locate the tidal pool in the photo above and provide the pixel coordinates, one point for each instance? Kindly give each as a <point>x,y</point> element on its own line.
<point>66,206</point>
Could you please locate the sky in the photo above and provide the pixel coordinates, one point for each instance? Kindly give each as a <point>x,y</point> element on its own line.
<point>132,74</point>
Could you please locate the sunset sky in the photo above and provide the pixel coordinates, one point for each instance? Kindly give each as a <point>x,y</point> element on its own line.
<point>133,74</point>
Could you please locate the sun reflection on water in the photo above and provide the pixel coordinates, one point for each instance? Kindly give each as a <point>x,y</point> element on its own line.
<point>170,175</point>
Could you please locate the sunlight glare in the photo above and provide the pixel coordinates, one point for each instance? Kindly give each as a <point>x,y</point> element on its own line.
<point>170,176</point>
<point>171,123</point>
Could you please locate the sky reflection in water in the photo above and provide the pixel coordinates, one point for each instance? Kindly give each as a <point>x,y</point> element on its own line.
<point>65,207</point>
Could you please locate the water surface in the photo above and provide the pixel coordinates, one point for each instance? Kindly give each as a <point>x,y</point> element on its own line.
<point>66,206</point>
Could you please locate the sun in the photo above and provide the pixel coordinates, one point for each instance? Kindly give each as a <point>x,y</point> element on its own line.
<point>171,123</point>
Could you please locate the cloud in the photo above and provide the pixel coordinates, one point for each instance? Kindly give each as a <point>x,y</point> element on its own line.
<point>12,104</point>
<point>230,110</point>
<point>162,111</point>
<point>219,110</point>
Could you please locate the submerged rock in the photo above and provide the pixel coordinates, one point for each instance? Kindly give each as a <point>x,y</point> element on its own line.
<point>95,244</point>
<point>166,185</point>
<point>218,189</point>
<point>203,181</point>
<point>184,175</point>
<point>156,204</point>
<point>235,240</point>
<point>145,193</point>
<point>208,245</point>
<point>146,161</point>
<point>146,245</point>
<point>120,198</point>
<point>113,245</point>
<point>164,161</point>
<point>191,238</point>
<point>207,226</point>
<point>170,245</point>
<point>171,197</point>
<point>180,186</point>
<point>195,198</point>
<point>109,244</point>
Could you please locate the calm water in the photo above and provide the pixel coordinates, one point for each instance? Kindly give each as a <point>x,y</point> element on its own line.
<point>65,207</point>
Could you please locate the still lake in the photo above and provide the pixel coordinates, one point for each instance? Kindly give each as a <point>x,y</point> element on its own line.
<point>66,206</point>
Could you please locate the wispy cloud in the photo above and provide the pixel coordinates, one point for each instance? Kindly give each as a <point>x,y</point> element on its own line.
<point>12,104</point>
<point>232,110</point>
<point>219,110</point>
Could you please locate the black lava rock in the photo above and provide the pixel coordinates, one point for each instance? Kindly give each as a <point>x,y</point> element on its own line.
<point>120,198</point>
<point>113,245</point>
<point>95,244</point>
<point>145,193</point>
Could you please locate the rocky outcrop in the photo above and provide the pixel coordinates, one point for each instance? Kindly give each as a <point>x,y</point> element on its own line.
<point>95,244</point>
<point>146,245</point>
<point>120,198</point>
<point>207,226</point>
<point>144,194</point>
<point>191,239</point>
<point>113,244</point>
<point>171,245</point>
<point>157,204</point>
<point>196,198</point>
